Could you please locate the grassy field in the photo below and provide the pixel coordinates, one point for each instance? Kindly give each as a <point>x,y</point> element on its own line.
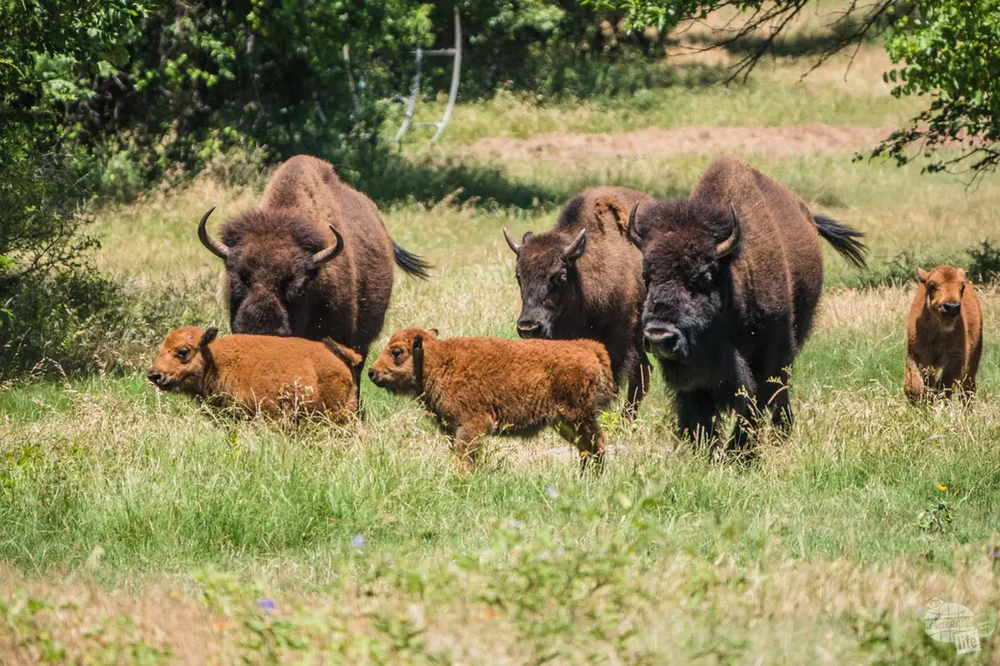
<point>137,528</point>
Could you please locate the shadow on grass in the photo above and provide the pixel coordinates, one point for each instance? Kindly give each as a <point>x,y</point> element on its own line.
<point>425,180</point>
<point>804,44</point>
<point>489,185</point>
<point>584,76</point>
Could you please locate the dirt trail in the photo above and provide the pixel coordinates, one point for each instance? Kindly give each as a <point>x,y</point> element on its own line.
<point>785,141</point>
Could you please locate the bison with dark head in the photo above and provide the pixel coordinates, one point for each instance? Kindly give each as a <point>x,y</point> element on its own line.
<point>313,260</point>
<point>733,276</point>
<point>583,279</point>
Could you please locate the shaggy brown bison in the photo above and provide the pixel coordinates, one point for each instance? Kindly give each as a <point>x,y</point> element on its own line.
<point>583,279</point>
<point>944,335</point>
<point>733,276</point>
<point>313,260</point>
<point>484,386</point>
<point>258,373</point>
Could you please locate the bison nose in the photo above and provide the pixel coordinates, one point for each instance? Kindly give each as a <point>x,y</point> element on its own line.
<point>951,309</point>
<point>663,341</point>
<point>371,374</point>
<point>154,377</point>
<point>529,328</point>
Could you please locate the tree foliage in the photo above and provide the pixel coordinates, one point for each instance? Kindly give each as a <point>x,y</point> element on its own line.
<point>205,76</point>
<point>948,50</point>
<point>49,51</point>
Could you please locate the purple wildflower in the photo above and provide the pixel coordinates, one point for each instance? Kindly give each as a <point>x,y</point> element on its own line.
<point>266,605</point>
<point>358,541</point>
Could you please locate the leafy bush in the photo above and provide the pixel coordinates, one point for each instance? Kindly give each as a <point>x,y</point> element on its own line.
<point>47,287</point>
<point>895,271</point>
<point>984,264</point>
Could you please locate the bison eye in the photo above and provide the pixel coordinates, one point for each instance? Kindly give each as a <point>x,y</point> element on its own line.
<point>704,280</point>
<point>396,353</point>
<point>182,353</point>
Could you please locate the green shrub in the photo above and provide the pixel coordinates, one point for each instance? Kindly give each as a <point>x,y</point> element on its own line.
<point>984,264</point>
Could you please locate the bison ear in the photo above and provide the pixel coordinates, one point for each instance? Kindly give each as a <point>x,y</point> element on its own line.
<point>433,332</point>
<point>418,343</point>
<point>632,229</point>
<point>575,250</point>
<point>208,336</point>
<point>610,214</point>
<point>922,275</point>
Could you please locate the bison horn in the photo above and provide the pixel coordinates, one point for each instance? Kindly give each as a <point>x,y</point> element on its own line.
<point>573,251</point>
<point>214,246</point>
<point>633,229</point>
<point>728,246</point>
<point>331,252</point>
<point>511,242</point>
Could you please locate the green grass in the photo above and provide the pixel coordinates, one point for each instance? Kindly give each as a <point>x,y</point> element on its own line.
<point>137,527</point>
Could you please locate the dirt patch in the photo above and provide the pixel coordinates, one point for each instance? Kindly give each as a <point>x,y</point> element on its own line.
<point>786,141</point>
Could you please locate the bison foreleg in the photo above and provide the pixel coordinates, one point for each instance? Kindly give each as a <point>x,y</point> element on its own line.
<point>696,416</point>
<point>588,438</point>
<point>466,444</point>
<point>639,370</point>
<point>952,376</point>
<point>747,409</point>
<point>913,380</point>
<point>775,397</point>
<point>747,414</point>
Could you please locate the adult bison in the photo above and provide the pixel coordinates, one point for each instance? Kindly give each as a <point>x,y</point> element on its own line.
<point>733,276</point>
<point>583,279</point>
<point>313,260</point>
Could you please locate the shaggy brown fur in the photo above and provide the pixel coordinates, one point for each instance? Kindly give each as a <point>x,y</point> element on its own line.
<point>277,376</point>
<point>733,275</point>
<point>583,279</point>
<point>279,278</point>
<point>486,386</point>
<point>944,335</point>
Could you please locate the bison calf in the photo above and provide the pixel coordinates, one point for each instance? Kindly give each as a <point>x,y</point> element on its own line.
<point>486,386</point>
<point>274,375</point>
<point>944,335</point>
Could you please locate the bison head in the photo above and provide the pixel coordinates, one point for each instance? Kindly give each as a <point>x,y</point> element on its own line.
<point>685,249</point>
<point>550,285</point>
<point>945,287</point>
<point>180,365</point>
<point>270,266</point>
<point>399,368</point>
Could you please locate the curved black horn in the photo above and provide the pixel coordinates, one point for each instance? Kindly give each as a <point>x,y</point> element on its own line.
<point>576,248</point>
<point>214,246</point>
<point>331,252</point>
<point>633,230</point>
<point>728,246</point>
<point>511,242</point>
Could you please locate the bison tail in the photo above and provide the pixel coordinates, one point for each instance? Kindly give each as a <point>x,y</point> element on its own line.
<point>844,240</point>
<point>411,263</point>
